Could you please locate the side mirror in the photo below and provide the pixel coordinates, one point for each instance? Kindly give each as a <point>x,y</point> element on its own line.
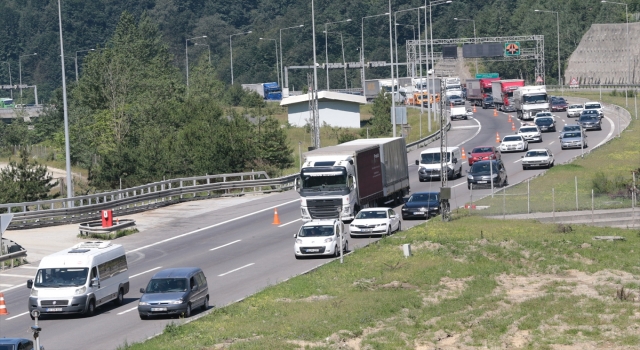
<point>295,235</point>
<point>195,288</point>
<point>95,282</point>
<point>417,162</point>
<point>142,290</point>
<point>454,161</point>
<point>469,153</point>
<point>560,137</point>
<point>297,184</point>
<point>29,284</point>
<point>521,156</point>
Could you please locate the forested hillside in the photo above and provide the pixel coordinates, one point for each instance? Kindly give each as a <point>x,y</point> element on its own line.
<point>32,27</point>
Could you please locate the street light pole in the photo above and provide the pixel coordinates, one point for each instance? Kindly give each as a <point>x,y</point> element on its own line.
<point>186,53</point>
<point>560,82</point>
<point>316,117</point>
<point>326,43</point>
<point>20,69</point>
<point>626,14</point>
<point>362,45</point>
<point>277,70</point>
<point>433,66</point>
<point>66,113</point>
<point>393,99</point>
<point>231,51</point>
<point>281,64</point>
<point>10,82</point>
<point>475,38</point>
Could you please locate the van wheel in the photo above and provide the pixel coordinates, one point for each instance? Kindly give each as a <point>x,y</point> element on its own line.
<point>120,299</point>
<point>205,305</point>
<point>399,226</point>
<point>91,309</point>
<point>187,312</point>
<point>336,252</point>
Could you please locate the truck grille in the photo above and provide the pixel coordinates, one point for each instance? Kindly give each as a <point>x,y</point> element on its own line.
<point>324,208</point>
<point>54,302</point>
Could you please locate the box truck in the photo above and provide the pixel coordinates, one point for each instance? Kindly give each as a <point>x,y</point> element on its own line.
<point>342,179</point>
<point>502,91</point>
<point>268,91</point>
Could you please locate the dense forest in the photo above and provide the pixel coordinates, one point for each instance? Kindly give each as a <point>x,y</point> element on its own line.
<point>32,27</point>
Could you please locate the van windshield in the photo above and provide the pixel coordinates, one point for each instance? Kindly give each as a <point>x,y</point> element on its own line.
<point>61,277</point>
<point>433,158</point>
<point>316,231</point>
<point>167,285</point>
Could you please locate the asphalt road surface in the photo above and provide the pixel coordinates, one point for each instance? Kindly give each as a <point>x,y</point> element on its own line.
<point>239,249</point>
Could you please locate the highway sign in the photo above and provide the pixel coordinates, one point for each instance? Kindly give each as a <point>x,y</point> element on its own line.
<point>5,220</point>
<point>539,79</point>
<point>512,49</point>
<point>574,82</point>
<point>487,75</point>
<point>8,87</point>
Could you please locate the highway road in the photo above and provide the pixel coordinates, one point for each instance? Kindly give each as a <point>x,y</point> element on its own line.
<point>239,249</point>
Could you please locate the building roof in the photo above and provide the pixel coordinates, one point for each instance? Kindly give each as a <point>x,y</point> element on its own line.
<point>325,96</point>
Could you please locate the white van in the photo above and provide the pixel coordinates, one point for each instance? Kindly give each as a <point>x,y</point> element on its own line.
<point>430,163</point>
<point>79,279</point>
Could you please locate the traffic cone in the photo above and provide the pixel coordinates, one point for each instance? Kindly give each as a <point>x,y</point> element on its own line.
<point>497,138</point>
<point>495,112</point>
<point>464,155</point>
<point>513,126</point>
<point>3,307</point>
<point>276,218</point>
<point>509,120</point>
<point>474,108</point>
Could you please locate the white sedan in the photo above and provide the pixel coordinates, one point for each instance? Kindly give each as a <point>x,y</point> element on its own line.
<point>375,221</point>
<point>514,143</point>
<point>537,158</point>
<point>530,133</point>
<point>574,110</point>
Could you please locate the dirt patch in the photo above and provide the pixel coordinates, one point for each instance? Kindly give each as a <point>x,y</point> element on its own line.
<point>426,245</point>
<point>448,288</point>
<point>396,284</point>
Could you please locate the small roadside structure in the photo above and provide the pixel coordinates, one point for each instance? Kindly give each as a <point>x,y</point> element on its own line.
<point>335,108</point>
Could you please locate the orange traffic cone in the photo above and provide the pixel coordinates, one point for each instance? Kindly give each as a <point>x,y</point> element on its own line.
<point>464,155</point>
<point>497,138</point>
<point>495,112</point>
<point>3,307</point>
<point>509,119</point>
<point>276,218</point>
<point>474,108</point>
<point>513,126</point>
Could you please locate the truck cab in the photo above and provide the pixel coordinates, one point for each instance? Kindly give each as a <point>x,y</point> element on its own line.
<point>529,100</point>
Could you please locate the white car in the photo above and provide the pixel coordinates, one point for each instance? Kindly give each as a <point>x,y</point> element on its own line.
<point>530,133</point>
<point>594,105</point>
<point>320,237</point>
<point>513,143</point>
<point>574,111</point>
<point>375,221</point>
<point>537,158</point>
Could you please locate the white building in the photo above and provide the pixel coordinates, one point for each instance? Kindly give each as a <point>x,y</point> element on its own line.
<point>336,109</point>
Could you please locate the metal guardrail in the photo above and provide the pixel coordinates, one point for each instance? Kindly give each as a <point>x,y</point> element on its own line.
<point>427,140</point>
<point>141,198</point>
<point>12,256</point>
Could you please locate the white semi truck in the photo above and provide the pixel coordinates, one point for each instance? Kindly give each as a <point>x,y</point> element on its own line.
<point>530,100</point>
<point>351,176</point>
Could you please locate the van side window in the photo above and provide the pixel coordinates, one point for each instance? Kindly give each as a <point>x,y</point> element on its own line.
<point>200,279</point>
<point>192,282</point>
<point>94,272</point>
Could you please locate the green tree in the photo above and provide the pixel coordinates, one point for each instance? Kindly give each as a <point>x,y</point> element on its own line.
<point>273,146</point>
<point>25,181</point>
<point>381,120</point>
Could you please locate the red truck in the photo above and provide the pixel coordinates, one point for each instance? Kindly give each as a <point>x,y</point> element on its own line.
<point>478,89</point>
<point>502,91</point>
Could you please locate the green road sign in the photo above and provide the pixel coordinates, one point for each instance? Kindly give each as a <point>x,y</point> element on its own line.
<point>512,49</point>
<point>487,75</point>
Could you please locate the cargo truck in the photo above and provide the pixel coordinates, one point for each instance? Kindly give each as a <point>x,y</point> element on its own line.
<point>371,89</point>
<point>351,176</point>
<point>268,91</point>
<point>485,85</point>
<point>474,92</point>
<point>530,100</point>
<point>502,91</point>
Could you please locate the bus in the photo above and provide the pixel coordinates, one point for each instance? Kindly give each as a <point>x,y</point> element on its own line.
<point>6,102</point>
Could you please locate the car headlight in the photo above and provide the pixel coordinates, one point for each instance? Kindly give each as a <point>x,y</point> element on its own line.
<point>304,212</point>
<point>80,291</point>
<point>328,240</point>
<point>380,225</point>
<point>143,303</point>
<point>299,241</point>
<point>494,176</point>
<point>405,209</point>
<point>34,292</point>
<point>174,302</point>
<point>470,177</point>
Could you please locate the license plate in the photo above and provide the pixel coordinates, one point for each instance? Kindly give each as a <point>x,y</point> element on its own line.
<point>54,309</point>
<point>313,250</point>
<point>418,213</point>
<point>482,182</point>
<point>158,309</point>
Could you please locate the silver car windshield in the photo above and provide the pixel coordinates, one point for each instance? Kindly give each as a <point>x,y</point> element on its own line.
<point>167,285</point>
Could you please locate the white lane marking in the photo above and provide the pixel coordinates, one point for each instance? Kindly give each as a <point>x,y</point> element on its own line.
<point>613,129</point>
<point>11,275</point>
<point>22,314</point>
<point>474,135</point>
<point>290,222</point>
<point>28,267</point>
<point>234,270</point>
<point>551,143</point>
<point>5,285</point>
<point>464,127</point>
<point>14,287</point>
<point>460,184</point>
<point>142,273</point>
<point>208,227</point>
<point>519,160</point>
<point>125,311</point>
<point>224,245</point>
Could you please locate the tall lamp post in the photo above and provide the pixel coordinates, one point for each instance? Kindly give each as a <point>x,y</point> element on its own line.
<point>277,70</point>
<point>20,69</point>
<point>395,21</point>
<point>626,14</point>
<point>208,48</point>
<point>344,63</point>
<point>558,34</point>
<point>281,64</point>
<point>433,66</point>
<point>362,44</point>
<point>231,51</point>
<point>76,61</point>
<point>186,53</point>
<point>393,99</point>
<point>326,43</point>
<point>316,117</point>
<point>475,38</point>
<point>10,82</point>
<point>66,112</point>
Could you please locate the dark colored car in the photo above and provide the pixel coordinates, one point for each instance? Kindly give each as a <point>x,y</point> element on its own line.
<point>483,153</point>
<point>481,172</point>
<point>455,100</point>
<point>545,123</point>
<point>590,120</point>
<point>511,107</point>
<point>487,102</point>
<point>174,292</point>
<point>558,104</point>
<point>16,344</point>
<point>421,205</point>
